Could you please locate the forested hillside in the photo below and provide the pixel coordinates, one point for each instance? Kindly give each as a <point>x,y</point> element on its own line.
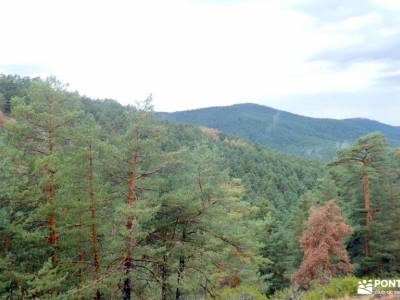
<point>287,132</point>
<point>102,201</point>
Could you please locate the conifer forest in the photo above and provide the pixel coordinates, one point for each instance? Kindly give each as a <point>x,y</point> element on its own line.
<point>104,201</point>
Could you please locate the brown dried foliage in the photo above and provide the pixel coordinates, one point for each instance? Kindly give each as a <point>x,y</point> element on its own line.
<point>211,132</point>
<point>322,243</point>
<point>235,281</point>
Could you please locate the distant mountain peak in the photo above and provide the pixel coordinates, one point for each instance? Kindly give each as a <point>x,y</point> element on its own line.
<point>284,131</point>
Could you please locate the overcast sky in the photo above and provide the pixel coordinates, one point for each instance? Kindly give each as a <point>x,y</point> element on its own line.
<point>326,58</point>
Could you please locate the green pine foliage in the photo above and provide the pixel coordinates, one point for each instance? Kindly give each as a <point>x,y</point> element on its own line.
<point>102,201</point>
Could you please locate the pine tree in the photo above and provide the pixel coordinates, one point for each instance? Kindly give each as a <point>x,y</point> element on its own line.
<point>132,170</point>
<point>84,194</point>
<point>12,86</point>
<point>357,171</point>
<point>200,229</point>
<point>385,232</point>
<point>93,203</point>
<point>37,139</point>
<point>323,245</point>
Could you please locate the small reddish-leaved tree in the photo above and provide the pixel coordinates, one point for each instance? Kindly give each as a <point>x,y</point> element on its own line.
<point>322,242</point>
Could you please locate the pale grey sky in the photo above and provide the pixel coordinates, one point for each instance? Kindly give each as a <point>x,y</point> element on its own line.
<point>333,58</point>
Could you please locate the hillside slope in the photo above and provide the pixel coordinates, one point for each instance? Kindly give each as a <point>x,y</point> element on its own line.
<point>291,133</point>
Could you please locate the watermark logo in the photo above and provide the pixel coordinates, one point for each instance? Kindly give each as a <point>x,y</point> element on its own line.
<point>365,287</point>
<point>379,286</point>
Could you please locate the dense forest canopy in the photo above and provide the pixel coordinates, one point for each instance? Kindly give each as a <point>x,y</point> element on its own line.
<point>103,201</point>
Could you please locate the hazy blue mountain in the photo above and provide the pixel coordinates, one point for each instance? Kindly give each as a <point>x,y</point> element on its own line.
<point>288,132</point>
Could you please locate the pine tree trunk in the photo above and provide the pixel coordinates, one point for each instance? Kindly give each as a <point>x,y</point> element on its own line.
<point>81,264</point>
<point>127,284</point>
<point>165,275</point>
<point>52,227</point>
<point>368,216</point>
<point>131,199</point>
<point>7,243</point>
<point>95,241</point>
<point>1,119</point>
<point>98,295</point>
<point>22,297</point>
<point>51,190</point>
<point>178,294</point>
<point>132,180</point>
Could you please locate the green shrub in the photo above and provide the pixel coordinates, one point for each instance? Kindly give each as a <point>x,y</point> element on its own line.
<point>240,293</point>
<point>336,288</point>
<point>282,294</point>
<point>316,294</point>
<point>341,287</point>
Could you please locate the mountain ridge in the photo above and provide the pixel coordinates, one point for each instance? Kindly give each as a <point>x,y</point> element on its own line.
<point>276,110</point>
<point>282,130</point>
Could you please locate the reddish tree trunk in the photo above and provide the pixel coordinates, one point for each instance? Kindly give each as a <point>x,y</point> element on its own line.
<point>51,189</point>
<point>95,241</point>
<point>52,223</point>
<point>368,216</point>
<point>129,226</point>
<point>132,180</point>
<point>7,243</point>
<point>1,119</point>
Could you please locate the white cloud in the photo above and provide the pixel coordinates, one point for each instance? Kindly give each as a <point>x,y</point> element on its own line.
<point>187,53</point>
